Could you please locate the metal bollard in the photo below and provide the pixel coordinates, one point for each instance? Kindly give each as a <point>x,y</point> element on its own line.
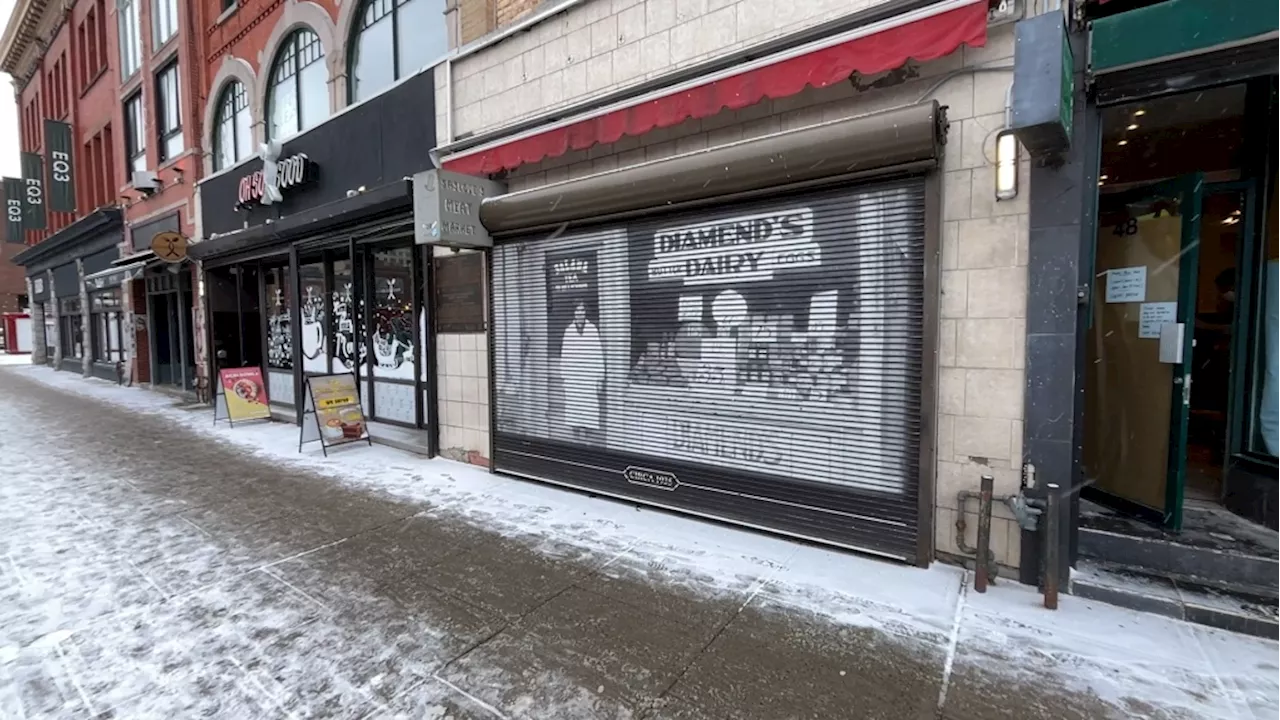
<point>1051,547</point>
<point>980,577</point>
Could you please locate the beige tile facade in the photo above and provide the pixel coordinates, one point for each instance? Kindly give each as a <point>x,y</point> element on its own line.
<point>981,330</point>
<point>463,396</point>
<point>603,45</point>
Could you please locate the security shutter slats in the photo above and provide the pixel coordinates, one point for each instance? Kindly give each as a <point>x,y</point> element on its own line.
<point>757,362</point>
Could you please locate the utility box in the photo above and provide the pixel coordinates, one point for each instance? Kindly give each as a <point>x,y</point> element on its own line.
<point>16,329</point>
<point>1043,85</point>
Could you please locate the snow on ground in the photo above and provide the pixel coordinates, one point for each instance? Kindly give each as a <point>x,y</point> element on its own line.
<point>1148,664</point>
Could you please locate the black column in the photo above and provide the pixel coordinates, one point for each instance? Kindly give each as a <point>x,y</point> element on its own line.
<point>1062,205</point>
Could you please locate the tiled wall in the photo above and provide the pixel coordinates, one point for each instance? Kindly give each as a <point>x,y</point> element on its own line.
<point>982,330</point>
<point>463,392</point>
<point>605,45</point>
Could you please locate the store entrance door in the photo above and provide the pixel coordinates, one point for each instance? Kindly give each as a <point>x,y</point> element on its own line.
<point>1139,371</point>
<point>169,301</point>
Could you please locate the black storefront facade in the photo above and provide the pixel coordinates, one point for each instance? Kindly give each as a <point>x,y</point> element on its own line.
<point>315,270</point>
<point>77,297</point>
<point>1148,187</point>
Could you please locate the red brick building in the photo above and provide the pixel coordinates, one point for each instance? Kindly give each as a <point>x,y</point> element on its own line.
<point>125,75</point>
<point>158,109</point>
<point>13,284</point>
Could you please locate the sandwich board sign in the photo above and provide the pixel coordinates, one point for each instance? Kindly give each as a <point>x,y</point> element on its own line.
<point>241,395</point>
<point>338,418</point>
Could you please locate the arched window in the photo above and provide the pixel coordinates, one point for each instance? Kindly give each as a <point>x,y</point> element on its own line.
<point>232,127</point>
<point>298,97</point>
<point>394,39</point>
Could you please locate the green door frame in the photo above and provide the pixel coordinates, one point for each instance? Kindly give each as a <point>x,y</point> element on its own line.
<point>1237,401</point>
<point>1192,188</point>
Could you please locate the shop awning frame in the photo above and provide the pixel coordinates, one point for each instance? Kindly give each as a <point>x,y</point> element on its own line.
<point>275,237</point>
<point>900,140</point>
<point>922,33</point>
<point>113,276</point>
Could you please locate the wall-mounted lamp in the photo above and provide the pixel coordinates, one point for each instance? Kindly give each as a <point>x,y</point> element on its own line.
<point>1006,165</point>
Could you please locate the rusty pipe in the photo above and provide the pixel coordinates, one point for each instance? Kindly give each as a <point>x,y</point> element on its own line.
<point>980,574</point>
<point>1051,547</point>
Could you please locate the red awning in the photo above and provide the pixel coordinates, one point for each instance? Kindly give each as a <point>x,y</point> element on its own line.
<point>923,40</point>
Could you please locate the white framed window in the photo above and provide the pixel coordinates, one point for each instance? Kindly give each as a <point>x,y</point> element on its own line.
<point>298,98</point>
<point>392,40</point>
<point>164,22</point>
<point>135,135</point>
<point>168,113</point>
<point>130,38</point>
<point>232,127</point>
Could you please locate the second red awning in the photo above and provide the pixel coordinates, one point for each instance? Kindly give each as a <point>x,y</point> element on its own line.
<point>923,40</point>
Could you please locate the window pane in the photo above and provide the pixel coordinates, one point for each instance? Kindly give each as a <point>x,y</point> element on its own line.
<point>315,356</point>
<point>421,35</point>
<point>164,20</point>
<point>130,44</point>
<point>374,65</point>
<point>284,110</point>
<point>279,330</point>
<point>173,146</point>
<point>347,343</point>
<point>224,138</point>
<point>314,86</point>
<point>172,118</point>
<point>113,336</point>
<point>392,318</point>
<point>244,133</point>
<point>1264,436</point>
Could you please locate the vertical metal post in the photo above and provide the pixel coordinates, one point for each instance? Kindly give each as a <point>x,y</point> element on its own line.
<point>980,576</point>
<point>1051,550</point>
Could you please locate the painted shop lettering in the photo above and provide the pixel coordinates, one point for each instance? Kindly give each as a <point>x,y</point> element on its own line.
<point>743,249</point>
<point>465,189</point>
<point>732,233</point>
<point>692,437</point>
<point>723,264</point>
<point>570,274</point>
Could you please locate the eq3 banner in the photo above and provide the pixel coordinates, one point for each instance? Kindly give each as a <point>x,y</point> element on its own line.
<point>61,176</point>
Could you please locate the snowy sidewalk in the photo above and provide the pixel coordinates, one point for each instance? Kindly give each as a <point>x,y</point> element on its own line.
<point>153,565</point>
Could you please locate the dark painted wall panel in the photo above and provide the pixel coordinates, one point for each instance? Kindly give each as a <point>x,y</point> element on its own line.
<point>378,142</point>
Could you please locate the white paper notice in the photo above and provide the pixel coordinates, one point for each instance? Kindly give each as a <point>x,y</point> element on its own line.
<point>1125,285</point>
<point>1153,316</point>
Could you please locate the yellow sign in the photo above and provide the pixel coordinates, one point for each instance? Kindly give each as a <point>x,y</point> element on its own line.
<point>245,394</point>
<point>337,408</point>
<point>169,246</point>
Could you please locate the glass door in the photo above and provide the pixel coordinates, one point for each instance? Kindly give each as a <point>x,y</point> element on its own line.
<point>1139,349</point>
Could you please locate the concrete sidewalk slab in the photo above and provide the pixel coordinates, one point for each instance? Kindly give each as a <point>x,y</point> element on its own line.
<point>375,584</point>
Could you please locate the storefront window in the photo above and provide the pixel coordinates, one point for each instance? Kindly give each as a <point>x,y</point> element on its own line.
<point>72,327</point>
<point>392,318</point>
<point>50,330</point>
<point>315,356</point>
<point>279,325</point>
<point>1265,384</point>
<point>106,317</point>
<point>347,348</point>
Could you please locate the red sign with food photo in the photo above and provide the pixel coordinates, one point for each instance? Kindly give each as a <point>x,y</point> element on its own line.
<point>245,393</point>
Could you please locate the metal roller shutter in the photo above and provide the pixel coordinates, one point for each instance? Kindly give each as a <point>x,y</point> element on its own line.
<point>759,363</point>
